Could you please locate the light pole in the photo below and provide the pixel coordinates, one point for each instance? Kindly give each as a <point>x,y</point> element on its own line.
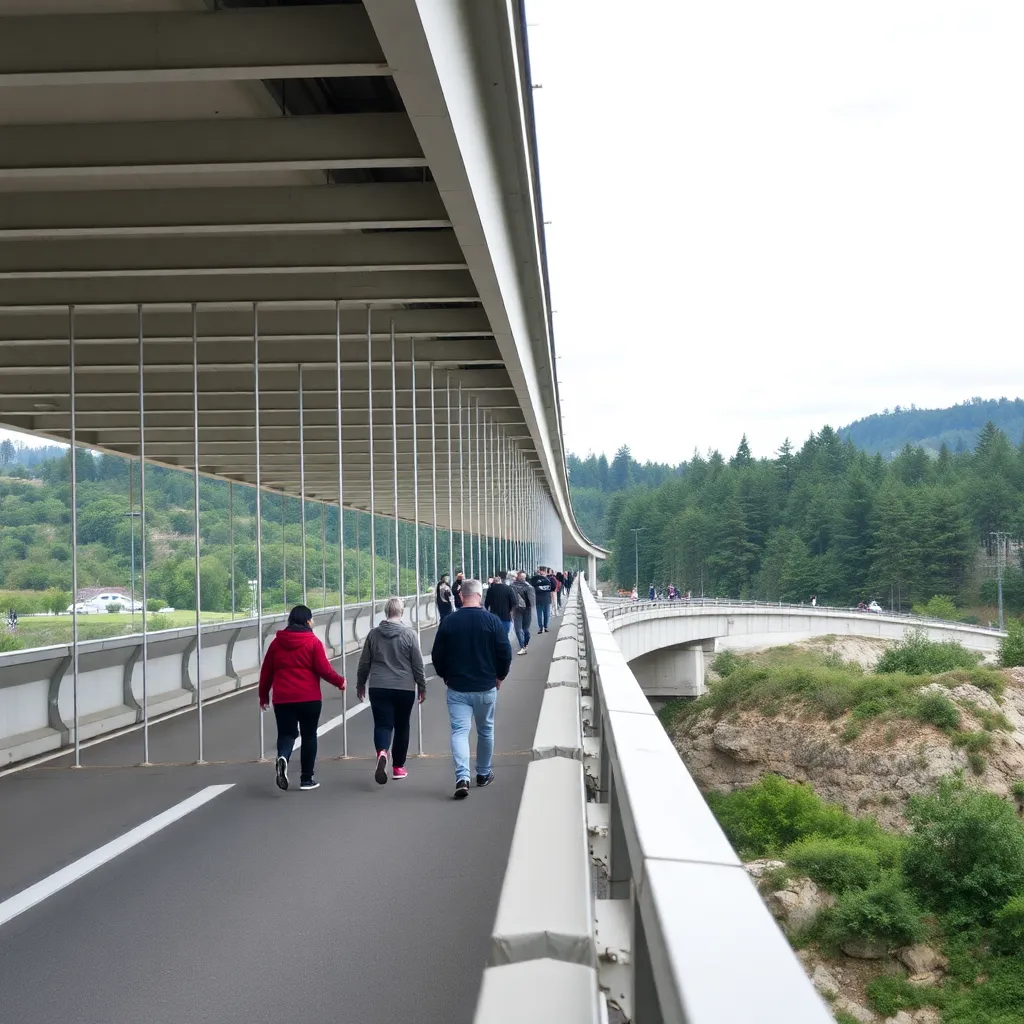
<point>637,530</point>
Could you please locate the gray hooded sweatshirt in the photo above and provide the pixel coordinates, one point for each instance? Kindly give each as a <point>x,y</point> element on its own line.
<point>391,659</point>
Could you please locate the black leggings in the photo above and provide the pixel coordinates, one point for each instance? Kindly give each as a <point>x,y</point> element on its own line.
<point>392,710</point>
<point>304,715</point>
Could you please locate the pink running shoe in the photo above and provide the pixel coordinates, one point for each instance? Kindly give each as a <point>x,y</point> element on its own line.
<point>399,773</point>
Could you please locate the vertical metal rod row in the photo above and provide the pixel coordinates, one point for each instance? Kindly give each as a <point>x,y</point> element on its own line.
<point>479,499</point>
<point>131,523</point>
<point>231,541</point>
<point>416,521</point>
<point>259,499</point>
<point>485,494</point>
<point>433,472</point>
<point>142,534</point>
<point>462,514</point>
<point>74,534</point>
<point>394,460</point>
<point>451,532</point>
<point>284,552</point>
<point>469,482</point>
<point>195,522</point>
<point>323,552</point>
<point>489,478</point>
<point>373,530</point>
<point>302,489</point>
<point>501,499</point>
<point>341,523</point>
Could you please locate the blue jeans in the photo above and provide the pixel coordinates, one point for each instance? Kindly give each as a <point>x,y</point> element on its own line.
<point>522,624</point>
<point>543,615</point>
<point>463,708</point>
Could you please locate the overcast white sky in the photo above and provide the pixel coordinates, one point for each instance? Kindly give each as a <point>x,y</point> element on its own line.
<point>767,217</point>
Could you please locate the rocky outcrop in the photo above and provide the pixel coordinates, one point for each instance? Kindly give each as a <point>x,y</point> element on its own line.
<point>926,967</point>
<point>796,906</point>
<point>873,773</point>
<point>855,1010</point>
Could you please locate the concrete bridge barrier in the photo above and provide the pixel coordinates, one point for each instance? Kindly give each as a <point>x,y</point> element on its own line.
<point>666,642</point>
<point>37,692</point>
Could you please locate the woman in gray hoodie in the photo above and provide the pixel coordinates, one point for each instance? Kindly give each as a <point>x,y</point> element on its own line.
<point>391,667</point>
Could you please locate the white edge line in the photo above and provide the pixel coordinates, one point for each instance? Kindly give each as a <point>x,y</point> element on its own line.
<point>28,898</point>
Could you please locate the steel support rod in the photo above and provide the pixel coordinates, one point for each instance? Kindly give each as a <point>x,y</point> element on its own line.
<point>72,395</point>
<point>369,416</point>
<point>479,500</point>
<point>451,520</point>
<point>302,491</point>
<point>433,473</point>
<point>323,552</point>
<point>462,509</point>
<point>259,501</point>
<point>231,541</point>
<point>195,523</point>
<point>473,568</point>
<point>416,521</point>
<point>394,460</point>
<point>142,534</point>
<point>341,525</point>
<point>284,552</point>
<point>488,505</point>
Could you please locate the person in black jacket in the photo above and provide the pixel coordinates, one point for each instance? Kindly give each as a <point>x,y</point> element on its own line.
<point>457,590</point>
<point>541,584</point>
<point>502,601</point>
<point>443,598</point>
<point>472,654</point>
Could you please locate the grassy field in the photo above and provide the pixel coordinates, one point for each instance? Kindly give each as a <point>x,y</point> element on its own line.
<point>45,631</point>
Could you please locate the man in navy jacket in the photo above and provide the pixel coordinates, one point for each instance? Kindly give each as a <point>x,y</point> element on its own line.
<point>472,654</point>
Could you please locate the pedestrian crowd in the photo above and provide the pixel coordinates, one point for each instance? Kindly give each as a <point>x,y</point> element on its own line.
<point>471,654</point>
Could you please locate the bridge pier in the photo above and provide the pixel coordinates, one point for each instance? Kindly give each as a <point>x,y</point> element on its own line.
<point>673,671</point>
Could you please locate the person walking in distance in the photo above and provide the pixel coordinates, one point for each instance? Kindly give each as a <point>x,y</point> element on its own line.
<point>443,598</point>
<point>457,590</point>
<point>556,601</point>
<point>471,653</point>
<point>541,584</point>
<point>502,600</point>
<point>391,668</point>
<point>292,668</point>
<point>522,616</point>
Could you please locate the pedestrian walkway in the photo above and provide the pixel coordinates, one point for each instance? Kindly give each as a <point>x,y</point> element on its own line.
<point>354,903</point>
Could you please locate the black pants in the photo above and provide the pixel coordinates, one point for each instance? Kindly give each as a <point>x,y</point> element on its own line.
<point>303,715</point>
<point>443,611</point>
<point>392,710</point>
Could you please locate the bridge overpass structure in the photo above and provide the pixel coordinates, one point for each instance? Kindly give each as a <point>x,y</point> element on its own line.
<point>666,642</point>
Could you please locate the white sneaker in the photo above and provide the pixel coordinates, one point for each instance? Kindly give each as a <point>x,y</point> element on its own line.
<point>522,650</point>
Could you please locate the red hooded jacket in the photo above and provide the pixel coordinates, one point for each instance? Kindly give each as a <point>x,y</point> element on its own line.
<point>293,666</point>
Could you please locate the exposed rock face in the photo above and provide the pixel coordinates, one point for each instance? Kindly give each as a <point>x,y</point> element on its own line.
<point>872,774</point>
<point>925,965</point>
<point>825,981</point>
<point>757,868</point>
<point>864,949</point>
<point>798,904</point>
<point>901,1018</point>
<point>855,1010</point>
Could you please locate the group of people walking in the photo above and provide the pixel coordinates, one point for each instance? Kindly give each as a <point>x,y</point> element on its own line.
<point>471,653</point>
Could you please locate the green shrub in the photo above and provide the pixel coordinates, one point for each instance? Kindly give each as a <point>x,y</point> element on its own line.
<point>918,656</point>
<point>850,732</point>
<point>997,1001</point>
<point>974,742</point>
<point>842,1017</point>
<point>992,720</point>
<point>835,864</point>
<point>939,607</point>
<point>885,911</point>
<point>890,993</point>
<point>726,662</point>
<point>937,709</point>
<point>1008,926</point>
<point>1017,788</point>
<point>158,622</point>
<point>977,762</point>
<point>965,857</point>
<point>9,642</point>
<point>154,604</point>
<point>1011,646</point>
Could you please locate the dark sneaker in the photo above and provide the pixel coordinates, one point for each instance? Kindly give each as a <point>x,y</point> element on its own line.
<point>462,789</point>
<point>381,774</point>
<point>485,780</point>
<point>309,784</point>
<point>282,773</point>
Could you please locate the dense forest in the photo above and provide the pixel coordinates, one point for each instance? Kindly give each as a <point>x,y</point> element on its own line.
<point>827,519</point>
<point>35,538</point>
<point>957,427</point>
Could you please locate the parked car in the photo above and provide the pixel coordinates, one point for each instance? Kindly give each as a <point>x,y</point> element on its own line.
<point>875,607</point>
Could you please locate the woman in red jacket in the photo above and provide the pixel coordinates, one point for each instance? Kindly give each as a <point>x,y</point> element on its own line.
<point>293,666</point>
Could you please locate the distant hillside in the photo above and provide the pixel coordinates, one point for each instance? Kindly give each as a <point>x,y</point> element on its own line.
<point>957,427</point>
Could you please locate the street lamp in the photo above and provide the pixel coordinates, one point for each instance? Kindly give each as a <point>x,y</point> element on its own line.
<point>637,530</point>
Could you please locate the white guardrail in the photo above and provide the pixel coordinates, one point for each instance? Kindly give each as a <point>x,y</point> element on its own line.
<point>36,685</point>
<point>613,606</point>
<point>621,890</point>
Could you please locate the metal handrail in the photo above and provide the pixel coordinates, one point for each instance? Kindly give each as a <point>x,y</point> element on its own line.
<point>704,948</point>
<point>621,605</point>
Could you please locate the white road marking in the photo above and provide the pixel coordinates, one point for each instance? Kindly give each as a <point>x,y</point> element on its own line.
<point>27,898</point>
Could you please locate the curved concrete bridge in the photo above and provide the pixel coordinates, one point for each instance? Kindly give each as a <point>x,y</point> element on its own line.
<point>665,642</point>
